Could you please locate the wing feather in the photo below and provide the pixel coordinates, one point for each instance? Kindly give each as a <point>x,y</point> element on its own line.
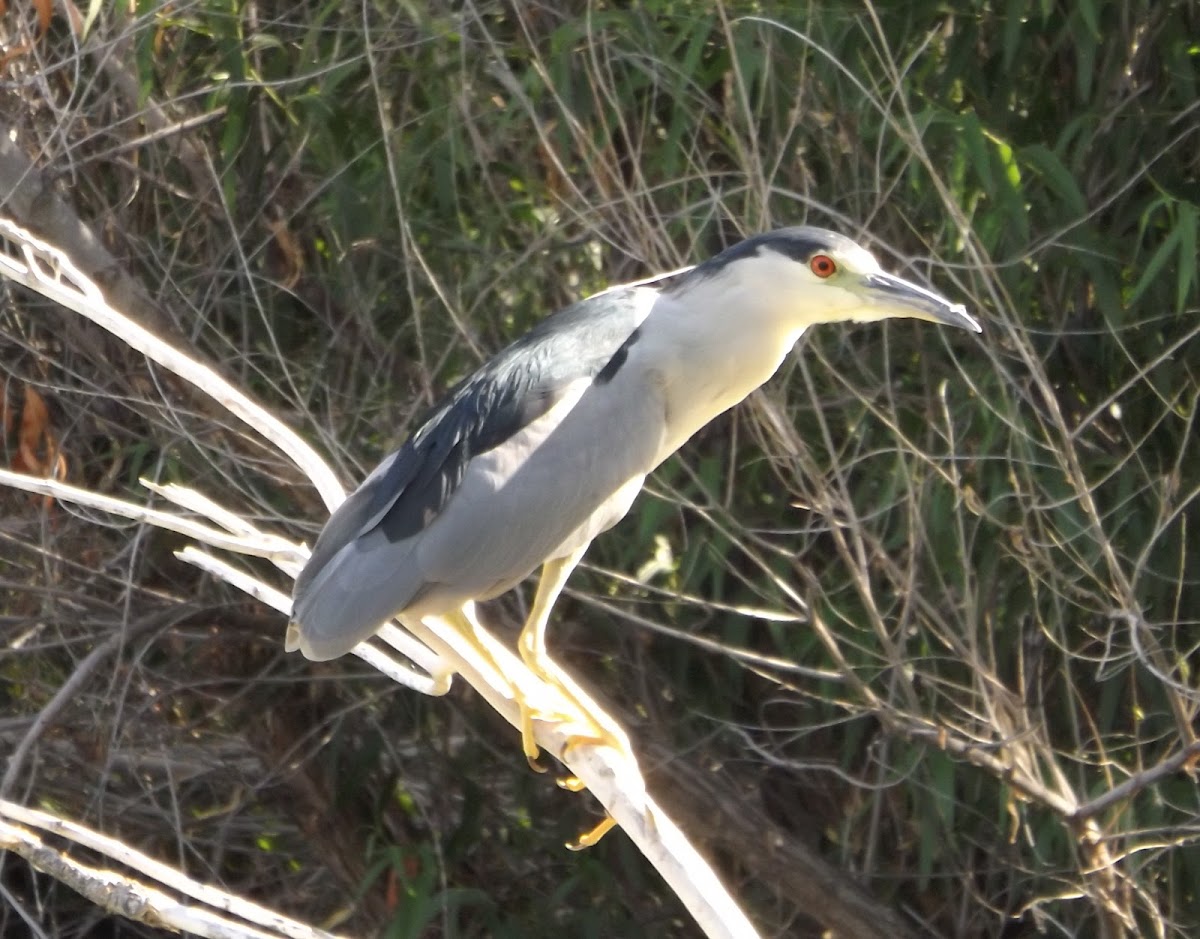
<point>411,486</point>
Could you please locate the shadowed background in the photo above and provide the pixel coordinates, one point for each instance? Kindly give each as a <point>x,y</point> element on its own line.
<point>886,635</point>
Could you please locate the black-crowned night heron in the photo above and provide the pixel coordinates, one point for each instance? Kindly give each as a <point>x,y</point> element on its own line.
<point>546,445</point>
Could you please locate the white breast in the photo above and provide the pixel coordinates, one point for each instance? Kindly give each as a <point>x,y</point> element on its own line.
<point>707,357</point>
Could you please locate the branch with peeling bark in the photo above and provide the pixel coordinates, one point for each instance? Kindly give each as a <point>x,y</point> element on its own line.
<point>430,644</point>
<point>175,901</point>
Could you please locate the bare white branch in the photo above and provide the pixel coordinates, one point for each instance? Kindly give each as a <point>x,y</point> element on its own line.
<point>43,268</point>
<point>118,893</point>
<point>248,541</point>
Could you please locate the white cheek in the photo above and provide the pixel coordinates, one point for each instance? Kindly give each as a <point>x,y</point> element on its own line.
<point>809,303</point>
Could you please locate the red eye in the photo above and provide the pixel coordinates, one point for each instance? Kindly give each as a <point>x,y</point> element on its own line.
<point>822,265</point>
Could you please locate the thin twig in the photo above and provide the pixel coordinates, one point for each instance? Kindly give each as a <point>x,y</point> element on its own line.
<point>1139,781</point>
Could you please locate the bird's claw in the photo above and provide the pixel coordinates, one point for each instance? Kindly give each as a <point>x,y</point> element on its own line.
<point>528,743</point>
<point>599,739</point>
<point>590,838</point>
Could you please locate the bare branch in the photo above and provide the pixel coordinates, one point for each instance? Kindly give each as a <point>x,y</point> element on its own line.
<point>118,893</point>
<point>46,270</point>
<point>1181,759</point>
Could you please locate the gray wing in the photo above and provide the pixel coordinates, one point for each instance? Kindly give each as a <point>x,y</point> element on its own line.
<point>409,489</point>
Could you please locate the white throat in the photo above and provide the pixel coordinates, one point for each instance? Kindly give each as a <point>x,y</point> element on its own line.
<point>710,349</point>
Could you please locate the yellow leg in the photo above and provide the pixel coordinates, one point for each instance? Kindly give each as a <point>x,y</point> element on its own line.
<point>532,644</point>
<point>466,627</point>
<point>598,728</point>
<point>603,730</point>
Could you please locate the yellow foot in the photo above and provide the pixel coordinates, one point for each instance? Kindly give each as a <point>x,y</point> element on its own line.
<point>595,729</point>
<point>601,738</point>
<point>600,734</point>
<point>587,723</point>
<point>528,744</point>
<point>571,783</point>
<point>589,838</point>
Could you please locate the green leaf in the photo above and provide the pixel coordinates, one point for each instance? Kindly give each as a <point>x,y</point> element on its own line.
<point>1155,265</point>
<point>1091,18</point>
<point>1186,227</point>
<point>977,150</point>
<point>1057,178</point>
<point>1085,41</point>
<point>1014,19</point>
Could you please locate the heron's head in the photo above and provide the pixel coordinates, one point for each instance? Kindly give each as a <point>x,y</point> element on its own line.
<point>806,276</point>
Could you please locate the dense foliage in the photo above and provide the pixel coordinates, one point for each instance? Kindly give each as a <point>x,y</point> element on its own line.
<point>924,611</point>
